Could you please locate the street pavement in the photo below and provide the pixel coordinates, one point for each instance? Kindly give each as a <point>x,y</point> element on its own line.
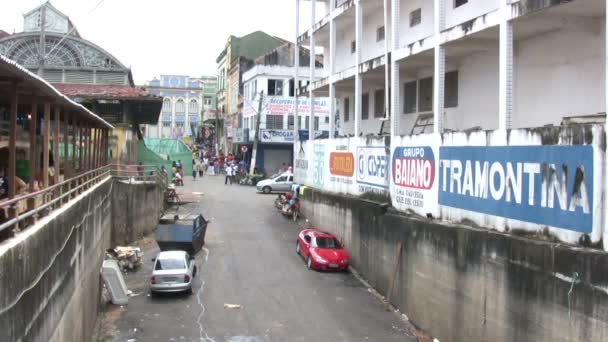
<point>249,259</point>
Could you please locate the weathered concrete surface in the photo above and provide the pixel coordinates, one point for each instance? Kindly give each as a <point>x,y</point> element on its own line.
<point>465,284</point>
<point>49,274</point>
<point>136,208</point>
<point>250,260</point>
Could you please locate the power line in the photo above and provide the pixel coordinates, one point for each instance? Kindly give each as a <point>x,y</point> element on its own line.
<point>70,31</point>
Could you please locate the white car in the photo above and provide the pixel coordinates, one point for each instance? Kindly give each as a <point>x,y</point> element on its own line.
<point>279,183</point>
<point>173,271</point>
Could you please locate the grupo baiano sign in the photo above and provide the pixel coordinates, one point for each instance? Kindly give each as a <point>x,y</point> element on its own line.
<point>547,185</point>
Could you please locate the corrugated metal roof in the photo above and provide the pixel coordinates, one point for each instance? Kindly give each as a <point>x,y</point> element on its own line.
<point>47,89</point>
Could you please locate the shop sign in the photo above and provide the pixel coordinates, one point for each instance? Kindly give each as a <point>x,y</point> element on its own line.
<point>341,164</point>
<point>413,174</point>
<point>318,166</point>
<point>279,136</point>
<point>372,168</point>
<point>546,185</point>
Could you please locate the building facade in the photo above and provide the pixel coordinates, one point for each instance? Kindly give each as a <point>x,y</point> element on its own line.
<point>183,105</point>
<point>237,56</point>
<point>272,76</point>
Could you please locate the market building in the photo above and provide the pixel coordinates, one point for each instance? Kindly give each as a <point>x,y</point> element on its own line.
<point>51,47</point>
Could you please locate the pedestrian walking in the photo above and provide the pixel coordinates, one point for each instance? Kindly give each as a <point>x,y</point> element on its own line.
<point>228,174</point>
<point>194,170</point>
<point>199,168</point>
<point>211,167</point>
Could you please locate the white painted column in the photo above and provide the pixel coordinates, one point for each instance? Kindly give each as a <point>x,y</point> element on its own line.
<point>311,77</point>
<point>439,69</point>
<point>332,87</point>
<point>505,68</point>
<point>296,82</point>
<point>395,83</point>
<point>358,80</point>
<point>387,46</point>
<point>605,202</point>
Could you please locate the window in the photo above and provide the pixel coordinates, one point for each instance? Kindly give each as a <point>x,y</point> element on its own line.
<point>193,107</point>
<point>353,46</point>
<point>316,123</point>
<point>207,101</point>
<point>169,264</point>
<point>291,88</point>
<point>346,109</point>
<point>255,89</point>
<point>379,103</point>
<point>365,106</point>
<point>415,17</point>
<point>166,124</point>
<point>451,89</point>
<point>281,179</point>
<point>180,106</point>
<point>275,87</point>
<point>246,122</point>
<point>167,105</point>
<point>274,121</point>
<point>410,97</point>
<point>327,119</point>
<point>290,122</point>
<point>307,122</point>
<point>458,3</point>
<point>380,34</point>
<point>425,95</point>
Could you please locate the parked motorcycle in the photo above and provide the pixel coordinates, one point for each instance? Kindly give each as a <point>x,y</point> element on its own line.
<point>282,199</point>
<point>292,211</point>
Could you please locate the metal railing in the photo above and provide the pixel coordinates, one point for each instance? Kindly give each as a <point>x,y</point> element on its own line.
<point>42,202</point>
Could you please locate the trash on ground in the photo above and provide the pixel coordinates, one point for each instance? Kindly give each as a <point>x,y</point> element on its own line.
<point>129,258</point>
<point>231,306</point>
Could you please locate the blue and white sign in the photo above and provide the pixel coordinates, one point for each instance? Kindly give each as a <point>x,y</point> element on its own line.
<point>372,168</point>
<point>547,185</point>
<point>277,136</point>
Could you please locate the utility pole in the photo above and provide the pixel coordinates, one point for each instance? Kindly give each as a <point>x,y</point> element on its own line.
<point>256,134</point>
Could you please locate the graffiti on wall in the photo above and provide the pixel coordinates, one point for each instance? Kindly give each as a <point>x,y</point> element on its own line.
<point>413,174</point>
<point>547,185</point>
<point>372,169</point>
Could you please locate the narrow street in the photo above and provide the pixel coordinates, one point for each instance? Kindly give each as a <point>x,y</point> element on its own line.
<point>249,259</point>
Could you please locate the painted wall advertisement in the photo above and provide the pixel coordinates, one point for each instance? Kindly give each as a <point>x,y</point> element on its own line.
<point>277,136</point>
<point>318,167</point>
<point>372,169</point>
<point>341,165</point>
<point>547,185</point>
<point>413,174</point>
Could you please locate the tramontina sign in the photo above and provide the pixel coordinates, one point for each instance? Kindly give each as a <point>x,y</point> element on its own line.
<point>548,185</point>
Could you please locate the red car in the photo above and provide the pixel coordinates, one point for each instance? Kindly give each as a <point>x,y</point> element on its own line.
<point>321,250</point>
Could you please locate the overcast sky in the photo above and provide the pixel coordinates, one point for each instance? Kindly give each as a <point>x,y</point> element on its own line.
<point>156,37</point>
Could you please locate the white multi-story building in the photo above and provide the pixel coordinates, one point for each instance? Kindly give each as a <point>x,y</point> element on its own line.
<point>482,64</point>
<point>272,75</point>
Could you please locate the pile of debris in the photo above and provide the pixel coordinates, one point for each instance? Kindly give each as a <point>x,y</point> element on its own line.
<point>128,258</point>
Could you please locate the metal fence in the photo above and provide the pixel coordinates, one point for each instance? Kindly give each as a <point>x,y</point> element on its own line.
<point>24,210</point>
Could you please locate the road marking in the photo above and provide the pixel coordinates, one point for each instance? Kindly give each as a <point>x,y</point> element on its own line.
<point>203,334</point>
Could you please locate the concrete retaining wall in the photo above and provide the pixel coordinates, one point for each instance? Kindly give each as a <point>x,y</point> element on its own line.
<point>466,284</point>
<point>49,274</point>
<point>136,208</point>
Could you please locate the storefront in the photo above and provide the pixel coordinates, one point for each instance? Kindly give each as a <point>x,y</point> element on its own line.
<point>275,149</point>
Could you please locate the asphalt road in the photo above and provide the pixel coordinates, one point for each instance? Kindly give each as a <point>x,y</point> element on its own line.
<point>249,259</point>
